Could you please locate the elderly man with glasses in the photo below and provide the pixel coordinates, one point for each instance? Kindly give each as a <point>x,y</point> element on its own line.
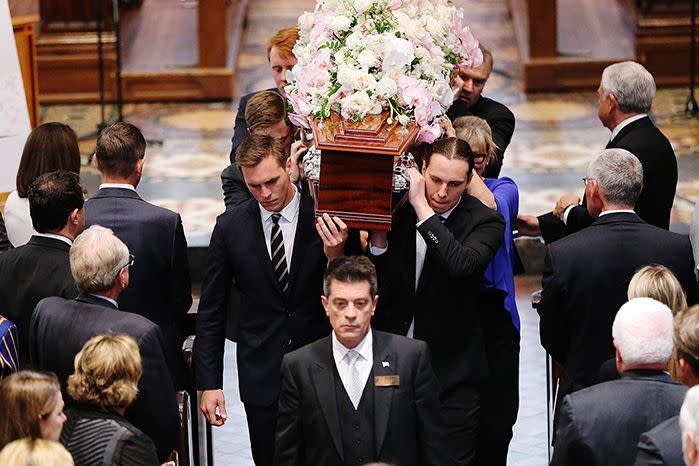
<point>60,327</point>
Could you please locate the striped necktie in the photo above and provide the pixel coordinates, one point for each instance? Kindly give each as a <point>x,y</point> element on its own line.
<point>279,255</point>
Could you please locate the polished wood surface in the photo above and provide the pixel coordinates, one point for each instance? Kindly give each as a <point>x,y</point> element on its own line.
<point>75,15</point>
<point>25,16</point>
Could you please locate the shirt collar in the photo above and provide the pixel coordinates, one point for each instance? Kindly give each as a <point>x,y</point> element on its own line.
<point>117,185</point>
<point>106,299</point>
<point>288,213</point>
<point>51,235</point>
<point>364,348</point>
<point>448,212</point>
<point>620,211</point>
<point>626,123</point>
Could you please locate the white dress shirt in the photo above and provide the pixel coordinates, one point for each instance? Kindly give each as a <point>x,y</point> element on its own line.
<point>620,211</point>
<point>420,253</point>
<point>117,185</point>
<point>58,237</point>
<point>365,361</point>
<point>106,299</point>
<point>287,224</point>
<point>18,222</point>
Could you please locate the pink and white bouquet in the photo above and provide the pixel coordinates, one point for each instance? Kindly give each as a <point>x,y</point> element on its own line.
<point>361,57</point>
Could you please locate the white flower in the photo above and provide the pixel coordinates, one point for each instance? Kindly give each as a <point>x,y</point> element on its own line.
<point>359,105</point>
<point>397,53</point>
<point>367,58</point>
<point>306,21</point>
<point>386,87</point>
<point>363,81</point>
<point>340,23</point>
<point>362,5</point>
<point>345,76</point>
<point>403,120</point>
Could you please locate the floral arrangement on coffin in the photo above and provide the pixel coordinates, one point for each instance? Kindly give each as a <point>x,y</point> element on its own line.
<point>361,57</point>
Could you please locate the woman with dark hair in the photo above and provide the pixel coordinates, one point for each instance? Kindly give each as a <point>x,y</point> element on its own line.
<point>49,147</point>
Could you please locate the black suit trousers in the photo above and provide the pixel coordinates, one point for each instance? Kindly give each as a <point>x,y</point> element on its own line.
<point>500,393</point>
<point>262,424</point>
<point>460,408</point>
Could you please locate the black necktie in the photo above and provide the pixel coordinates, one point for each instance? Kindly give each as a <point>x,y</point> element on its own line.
<point>279,255</point>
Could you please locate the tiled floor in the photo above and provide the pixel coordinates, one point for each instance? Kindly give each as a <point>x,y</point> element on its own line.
<point>555,137</point>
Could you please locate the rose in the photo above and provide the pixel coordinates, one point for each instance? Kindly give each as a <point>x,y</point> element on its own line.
<point>358,105</point>
<point>367,59</point>
<point>363,81</point>
<point>386,88</point>
<point>397,53</point>
<point>340,24</point>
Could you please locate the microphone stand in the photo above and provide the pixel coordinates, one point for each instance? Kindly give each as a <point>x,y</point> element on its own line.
<point>691,105</point>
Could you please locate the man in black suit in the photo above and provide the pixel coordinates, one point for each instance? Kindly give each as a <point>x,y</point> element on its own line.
<point>281,59</point>
<point>430,266</point>
<point>41,267</point>
<point>625,96</point>
<point>600,425</point>
<point>160,287</point>
<point>270,247</point>
<point>264,114</point>
<point>586,274</point>
<point>471,102</point>
<point>60,327</point>
<point>358,395</point>
<point>662,445</point>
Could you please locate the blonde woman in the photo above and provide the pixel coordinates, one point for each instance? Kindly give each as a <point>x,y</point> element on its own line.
<point>33,452</point>
<point>32,406</point>
<point>104,384</point>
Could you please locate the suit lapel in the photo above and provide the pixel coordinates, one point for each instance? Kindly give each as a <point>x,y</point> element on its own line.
<point>385,363</point>
<point>323,376</point>
<point>305,229</point>
<point>260,244</point>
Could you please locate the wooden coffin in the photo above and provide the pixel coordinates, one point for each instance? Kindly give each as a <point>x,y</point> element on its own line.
<point>356,170</point>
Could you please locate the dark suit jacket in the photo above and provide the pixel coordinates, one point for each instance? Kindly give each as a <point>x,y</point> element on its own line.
<point>28,274</point>
<point>235,191</point>
<point>501,121</point>
<point>601,425</point>
<point>408,426</point>
<point>159,285</point>
<point>644,140</point>
<point>445,303</point>
<point>240,131</point>
<point>585,279</point>
<point>270,324</point>
<point>59,329</point>
<point>662,445</point>
<point>4,242</point>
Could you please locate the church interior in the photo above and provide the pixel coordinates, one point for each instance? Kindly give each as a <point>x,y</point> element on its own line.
<point>184,64</point>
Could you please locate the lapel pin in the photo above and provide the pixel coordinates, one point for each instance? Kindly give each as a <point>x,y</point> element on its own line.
<point>386,364</point>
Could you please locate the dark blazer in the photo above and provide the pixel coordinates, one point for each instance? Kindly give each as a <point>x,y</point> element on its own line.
<point>240,131</point>
<point>97,438</point>
<point>4,242</point>
<point>601,425</point>
<point>585,279</point>
<point>159,284</point>
<point>59,329</point>
<point>644,140</point>
<point>445,303</point>
<point>501,121</point>
<point>270,324</point>
<point>28,274</point>
<point>408,426</point>
<point>662,445</point>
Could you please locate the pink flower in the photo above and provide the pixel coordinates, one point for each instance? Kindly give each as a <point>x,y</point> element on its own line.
<point>429,133</point>
<point>395,5</point>
<point>415,94</point>
<point>299,120</point>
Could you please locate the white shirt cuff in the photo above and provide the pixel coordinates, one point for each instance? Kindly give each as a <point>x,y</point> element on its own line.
<point>566,212</point>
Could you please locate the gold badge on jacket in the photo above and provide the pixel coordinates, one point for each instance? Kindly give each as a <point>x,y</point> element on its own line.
<point>387,381</point>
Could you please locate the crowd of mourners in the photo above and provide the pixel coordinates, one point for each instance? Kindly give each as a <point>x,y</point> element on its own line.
<point>354,346</point>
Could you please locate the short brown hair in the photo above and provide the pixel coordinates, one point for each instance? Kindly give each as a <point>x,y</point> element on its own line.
<point>49,147</point>
<point>107,371</point>
<point>284,40</point>
<point>264,109</point>
<point>686,337</point>
<point>451,148</point>
<point>119,147</point>
<point>25,397</point>
<point>258,147</point>
<point>351,269</point>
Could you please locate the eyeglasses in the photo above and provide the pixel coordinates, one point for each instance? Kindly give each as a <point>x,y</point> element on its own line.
<point>479,156</point>
<point>131,261</point>
<point>587,179</point>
